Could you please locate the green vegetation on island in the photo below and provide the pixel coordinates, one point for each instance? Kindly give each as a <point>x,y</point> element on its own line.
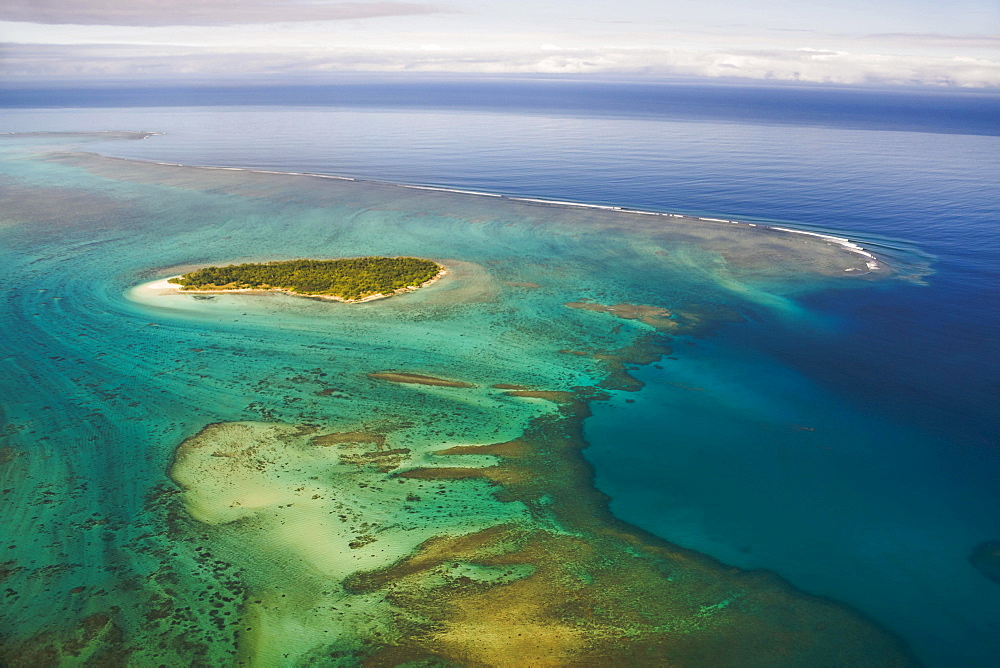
<point>349,279</point>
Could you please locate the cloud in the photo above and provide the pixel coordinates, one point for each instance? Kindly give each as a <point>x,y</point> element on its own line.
<point>199,12</point>
<point>938,40</point>
<point>33,62</point>
<point>911,40</point>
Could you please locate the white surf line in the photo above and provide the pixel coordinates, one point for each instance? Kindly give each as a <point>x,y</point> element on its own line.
<point>841,241</point>
<point>846,243</point>
<point>226,169</point>
<point>581,205</point>
<point>262,171</point>
<point>452,190</point>
<point>146,133</point>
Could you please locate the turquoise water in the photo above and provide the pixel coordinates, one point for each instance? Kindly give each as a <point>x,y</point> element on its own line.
<point>790,441</point>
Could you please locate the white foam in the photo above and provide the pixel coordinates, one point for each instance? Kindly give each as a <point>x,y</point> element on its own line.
<point>840,241</point>
<point>452,190</point>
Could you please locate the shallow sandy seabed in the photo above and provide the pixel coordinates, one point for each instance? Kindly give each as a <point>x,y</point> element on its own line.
<point>496,554</point>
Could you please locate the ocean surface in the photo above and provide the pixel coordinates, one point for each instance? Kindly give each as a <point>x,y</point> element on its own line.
<point>843,436</point>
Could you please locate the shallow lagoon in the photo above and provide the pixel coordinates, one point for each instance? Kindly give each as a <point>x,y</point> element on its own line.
<point>220,479</point>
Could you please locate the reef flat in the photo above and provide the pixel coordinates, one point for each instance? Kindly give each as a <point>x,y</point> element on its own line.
<point>538,574</point>
<point>270,482</point>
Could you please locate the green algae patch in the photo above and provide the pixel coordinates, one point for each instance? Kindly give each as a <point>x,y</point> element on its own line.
<point>348,279</point>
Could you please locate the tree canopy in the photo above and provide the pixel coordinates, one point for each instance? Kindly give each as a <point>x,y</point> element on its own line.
<point>348,278</point>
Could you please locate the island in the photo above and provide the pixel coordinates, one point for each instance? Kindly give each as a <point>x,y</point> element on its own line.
<point>347,279</point>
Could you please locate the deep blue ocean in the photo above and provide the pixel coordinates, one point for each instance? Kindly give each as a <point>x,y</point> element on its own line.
<point>901,383</point>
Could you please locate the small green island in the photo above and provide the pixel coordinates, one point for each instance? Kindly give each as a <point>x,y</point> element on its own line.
<point>347,279</point>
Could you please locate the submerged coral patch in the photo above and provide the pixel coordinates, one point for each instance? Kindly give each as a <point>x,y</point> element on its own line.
<point>417,379</point>
<point>540,574</point>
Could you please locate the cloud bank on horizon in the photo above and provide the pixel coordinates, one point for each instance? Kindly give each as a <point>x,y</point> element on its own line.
<point>915,42</point>
<point>198,12</point>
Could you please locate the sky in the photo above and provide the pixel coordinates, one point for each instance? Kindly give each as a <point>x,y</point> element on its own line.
<point>845,42</point>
